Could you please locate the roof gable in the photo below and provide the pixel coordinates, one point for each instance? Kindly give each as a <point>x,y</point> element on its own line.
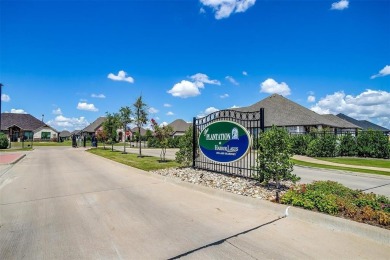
<point>25,122</point>
<point>95,125</point>
<point>364,124</point>
<point>179,125</point>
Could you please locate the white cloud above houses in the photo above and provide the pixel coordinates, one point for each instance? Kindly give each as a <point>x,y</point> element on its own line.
<point>340,5</point>
<point>224,8</point>
<point>18,111</point>
<point>207,111</point>
<point>5,98</point>
<point>185,88</point>
<point>62,122</point>
<point>122,76</point>
<point>98,96</point>
<point>270,86</point>
<point>245,73</point>
<point>311,99</point>
<point>232,80</point>
<point>57,111</point>
<point>372,105</point>
<point>87,107</point>
<point>170,113</point>
<point>224,96</point>
<point>383,72</point>
<point>167,105</point>
<point>152,110</point>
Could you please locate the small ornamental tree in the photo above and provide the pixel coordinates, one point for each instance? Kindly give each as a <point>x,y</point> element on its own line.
<point>274,159</point>
<point>162,134</point>
<point>125,119</point>
<point>110,125</point>
<point>140,118</point>
<point>3,141</point>
<point>101,135</point>
<point>184,155</point>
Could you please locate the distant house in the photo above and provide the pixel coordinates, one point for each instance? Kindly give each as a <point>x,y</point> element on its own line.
<point>26,127</point>
<point>179,127</point>
<point>94,127</point>
<point>280,111</point>
<point>64,135</point>
<point>364,124</point>
<point>77,133</point>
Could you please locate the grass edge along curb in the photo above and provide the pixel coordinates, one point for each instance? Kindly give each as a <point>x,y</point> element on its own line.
<point>146,163</point>
<point>341,168</point>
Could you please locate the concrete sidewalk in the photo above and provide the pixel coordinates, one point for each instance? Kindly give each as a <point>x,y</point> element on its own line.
<point>10,158</point>
<point>313,160</point>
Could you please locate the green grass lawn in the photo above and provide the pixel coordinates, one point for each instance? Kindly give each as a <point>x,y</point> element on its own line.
<point>382,163</point>
<point>323,166</point>
<point>146,163</point>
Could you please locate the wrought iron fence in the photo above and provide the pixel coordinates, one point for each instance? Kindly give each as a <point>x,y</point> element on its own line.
<point>252,121</point>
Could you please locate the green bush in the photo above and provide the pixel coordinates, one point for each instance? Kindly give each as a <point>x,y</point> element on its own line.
<point>3,141</point>
<point>335,199</point>
<point>184,155</point>
<point>324,145</point>
<point>274,158</point>
<point>347,145</point>
<point>373,144</point>
<point>300,143</point>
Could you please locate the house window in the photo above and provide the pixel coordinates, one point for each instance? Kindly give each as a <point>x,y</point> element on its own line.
<point>45,135</point>
<point>28,135</point>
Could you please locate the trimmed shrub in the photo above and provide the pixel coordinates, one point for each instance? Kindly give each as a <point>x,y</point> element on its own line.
<point>373,144</point>
<point>324,145</point>
<point>184,155</point>
<point>3,141</point>
<point>347,145</point>
<point>300,143</point>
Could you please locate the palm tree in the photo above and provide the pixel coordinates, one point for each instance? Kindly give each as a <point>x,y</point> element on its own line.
<point>141,117</point>
<point>125,118</point>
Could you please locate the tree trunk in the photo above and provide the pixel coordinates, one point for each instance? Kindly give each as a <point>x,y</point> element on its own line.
<point>139,137</point>
<point>124,139</point>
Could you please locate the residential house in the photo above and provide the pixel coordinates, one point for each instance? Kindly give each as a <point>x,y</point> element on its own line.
<point>179,127</point>
<point>20,127</point>
<point>64,135</point>
<point>280,111</point>
<point>364,124</point>
<point>94,127</point>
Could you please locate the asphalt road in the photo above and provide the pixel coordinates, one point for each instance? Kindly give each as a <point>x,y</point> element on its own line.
<point>64,203</point>
<point>378,184</point>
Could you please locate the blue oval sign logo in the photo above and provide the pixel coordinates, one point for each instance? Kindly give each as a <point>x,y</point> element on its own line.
<point>224,141</point>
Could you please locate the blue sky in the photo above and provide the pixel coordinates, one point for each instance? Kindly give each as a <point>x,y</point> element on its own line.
<point>73,61</point>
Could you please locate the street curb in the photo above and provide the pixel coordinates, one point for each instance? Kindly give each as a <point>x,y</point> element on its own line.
<point>379,235</point>
<point>20,158</point>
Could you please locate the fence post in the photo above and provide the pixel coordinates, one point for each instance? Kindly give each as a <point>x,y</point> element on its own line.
<point>262,119</point>
<point>193,141</point>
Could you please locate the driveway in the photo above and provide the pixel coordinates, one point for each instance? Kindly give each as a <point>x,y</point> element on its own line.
<point>69,204</point>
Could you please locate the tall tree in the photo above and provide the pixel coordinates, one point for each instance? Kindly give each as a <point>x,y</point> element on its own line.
<point>125,119</point>
<point>110,126</point>
<point>140,117</point>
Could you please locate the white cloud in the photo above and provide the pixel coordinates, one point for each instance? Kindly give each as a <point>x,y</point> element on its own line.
<point>200,79</point>
<point>98,96</point>
<point>152,110</point>
<point>372,105</point>
<point>311,99</point>
<point>234,106</point>
<point>5,98</point>
<point>61,122</point>
<point>341,5</point>
<point>18,111</point>
<point>202,10</point>
<point>170,113</point>
<point>207,111</point>
<point>87,107</point>
<point>122,76</point>
<point>57,111</point>
<point>224,96</point>
<point>163,124</point>
<point>245,73</point>
<point>271,86</point>
<point>224,8</point>
<point>184,89</point>
<point>383,72</point>
<point>167,105</point>
<point>232,80</point>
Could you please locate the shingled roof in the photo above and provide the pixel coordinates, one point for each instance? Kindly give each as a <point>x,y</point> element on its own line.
<point>341,122</point>
<point>281,111</point>
<point>364,124</point>
<point>25,122</point>
<point>65,133</point>
<point>179,125</point>
<point>142,131</point>
<point>95,125</point>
